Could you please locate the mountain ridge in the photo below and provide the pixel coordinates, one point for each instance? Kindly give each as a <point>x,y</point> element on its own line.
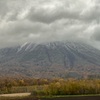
<point>53,59</point>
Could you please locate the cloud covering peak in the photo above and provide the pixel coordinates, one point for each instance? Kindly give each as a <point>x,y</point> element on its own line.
<point>49,20</point>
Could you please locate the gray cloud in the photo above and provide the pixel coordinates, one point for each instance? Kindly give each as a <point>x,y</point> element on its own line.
<point>96,33</point>
<point>48,20</point>
<point>49,15</point>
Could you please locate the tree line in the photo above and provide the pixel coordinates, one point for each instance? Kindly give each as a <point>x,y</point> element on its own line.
<point>52,86</point>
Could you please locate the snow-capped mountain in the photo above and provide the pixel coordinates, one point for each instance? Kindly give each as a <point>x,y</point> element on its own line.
<point>54,59</point>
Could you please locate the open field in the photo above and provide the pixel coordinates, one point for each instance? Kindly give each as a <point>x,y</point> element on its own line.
<point>15,95</point>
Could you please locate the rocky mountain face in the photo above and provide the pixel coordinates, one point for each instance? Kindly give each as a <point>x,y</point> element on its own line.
<point>49,60</point>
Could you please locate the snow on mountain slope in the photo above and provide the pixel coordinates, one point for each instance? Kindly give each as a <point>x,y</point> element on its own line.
<point>55,58</point>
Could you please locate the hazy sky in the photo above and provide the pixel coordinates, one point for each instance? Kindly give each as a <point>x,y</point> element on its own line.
<point>49,20</point>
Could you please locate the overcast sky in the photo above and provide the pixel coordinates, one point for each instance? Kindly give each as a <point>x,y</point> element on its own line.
<point>49,20</point>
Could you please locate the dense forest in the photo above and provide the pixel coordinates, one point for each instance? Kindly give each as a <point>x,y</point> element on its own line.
<point>50,86</point>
